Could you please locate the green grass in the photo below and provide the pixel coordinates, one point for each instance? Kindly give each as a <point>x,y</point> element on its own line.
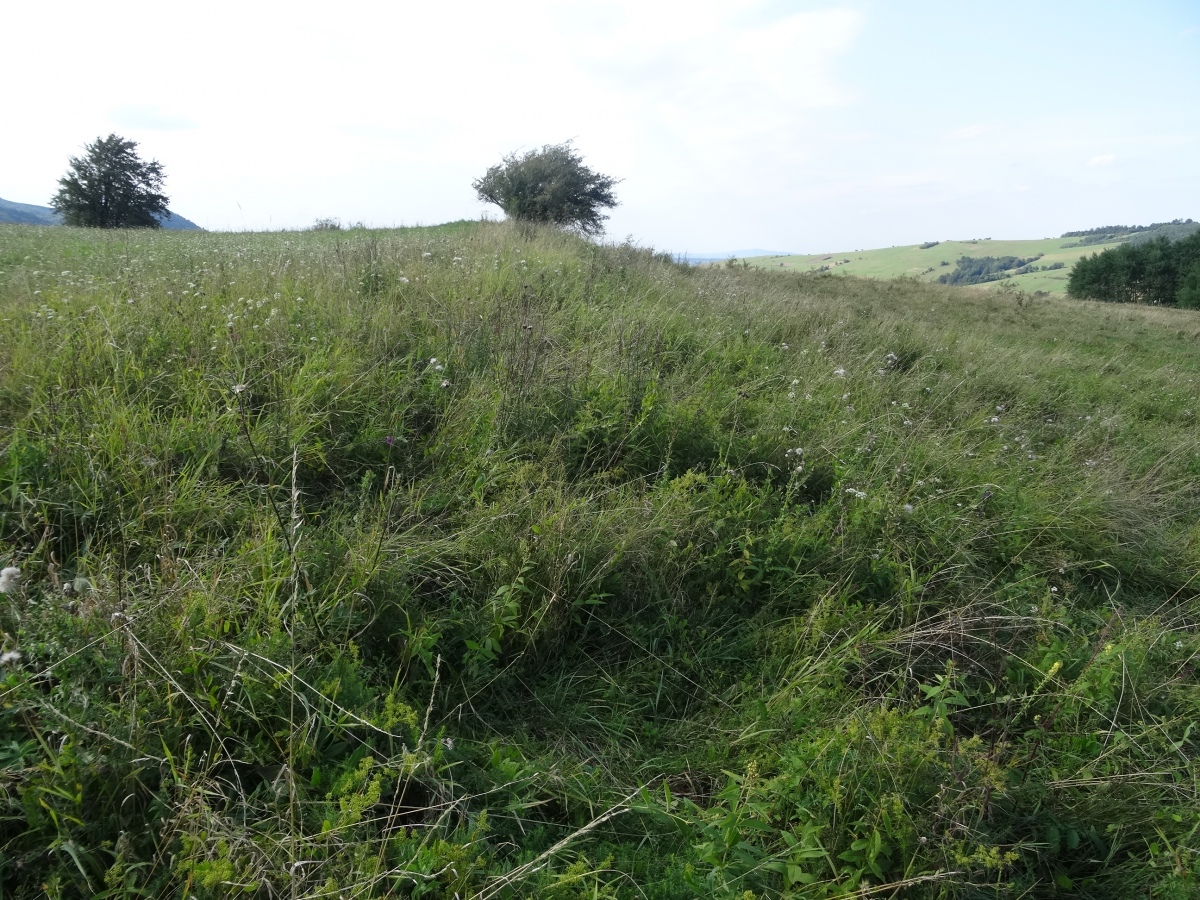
<point>911,261</point>
<point>480,561</point>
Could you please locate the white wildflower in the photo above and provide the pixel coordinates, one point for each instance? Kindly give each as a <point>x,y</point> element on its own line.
<point>12,656</point>
<point>1178,646</point>
<point>908,508</point>
<point>445,382</point>
<point>239,388</point>
<point>859,495</point>
<point>840,373</point>
<point>403,280</point>
<point>426,255</point>
<point>9,576</point>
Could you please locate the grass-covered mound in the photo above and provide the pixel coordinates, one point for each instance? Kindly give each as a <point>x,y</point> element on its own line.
<point>468,562</point>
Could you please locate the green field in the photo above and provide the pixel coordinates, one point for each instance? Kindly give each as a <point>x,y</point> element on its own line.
<point>482,561</point>
<point>910,261</point>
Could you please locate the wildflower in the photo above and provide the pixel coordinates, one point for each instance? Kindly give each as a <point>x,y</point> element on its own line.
<point>839,372</point>
<point>426,255</point>
<point>403,280</point>
<point>784,347</point>
<point>9,576</point>
<point>389,440</point>
<point>791,395</point>
<point>445,382</point>
<point>908,509</point>
<point>439,368</point>
<point>795,381</point>
<point>994,420</point>
<point>1054,590</point>
<point>1179,645</point>
<point>239,388</point>
<point>12,656</point>
<point>859,495</point>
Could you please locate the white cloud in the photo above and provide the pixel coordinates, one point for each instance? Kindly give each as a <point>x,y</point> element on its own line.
<point>1106,159</point>
<point>150,118</point>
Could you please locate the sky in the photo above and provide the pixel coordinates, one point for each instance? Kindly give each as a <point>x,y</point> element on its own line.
<point>791,126</point>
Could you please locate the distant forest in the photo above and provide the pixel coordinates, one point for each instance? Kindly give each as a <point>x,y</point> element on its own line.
<point>1159,271</point>
<point>1106,234</point>
<point>982,269</point>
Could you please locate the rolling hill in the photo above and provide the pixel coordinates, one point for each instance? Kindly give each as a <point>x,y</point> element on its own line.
<point>1051,258</point>
<point>30,214</point>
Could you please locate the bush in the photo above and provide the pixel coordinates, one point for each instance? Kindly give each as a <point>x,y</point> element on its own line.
<point>550,185</point>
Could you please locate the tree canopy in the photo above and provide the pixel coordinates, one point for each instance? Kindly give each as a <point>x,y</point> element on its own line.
<point>549,185</point>
<point>1158,271</point>
<point>110,186</point>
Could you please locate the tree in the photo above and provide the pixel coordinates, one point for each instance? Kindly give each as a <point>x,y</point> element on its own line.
<point>549,185</point>
<point>110,186</point>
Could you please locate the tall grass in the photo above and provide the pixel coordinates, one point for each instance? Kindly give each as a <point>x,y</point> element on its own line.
<point>483,562</point>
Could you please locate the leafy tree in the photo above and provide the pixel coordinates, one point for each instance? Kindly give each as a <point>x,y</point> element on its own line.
<point>549,185</point>
<point>1156,271</point>
<point>1189,289</point>
<point>110,186</point>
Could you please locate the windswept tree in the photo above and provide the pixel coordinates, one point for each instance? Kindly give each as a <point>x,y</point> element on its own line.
<point>110,186</point>
<point>549,185</point>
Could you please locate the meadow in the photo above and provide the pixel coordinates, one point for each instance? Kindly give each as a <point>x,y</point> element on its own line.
<point>926,263</point>
<point>484,561</point>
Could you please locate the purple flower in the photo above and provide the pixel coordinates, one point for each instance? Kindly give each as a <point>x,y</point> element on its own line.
<point>388,440</point>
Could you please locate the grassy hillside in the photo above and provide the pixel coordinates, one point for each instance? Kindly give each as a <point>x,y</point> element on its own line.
<point>926,265</point>
<point>481,562</point>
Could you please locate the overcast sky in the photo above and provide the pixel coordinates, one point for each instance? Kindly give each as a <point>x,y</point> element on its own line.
<point>734,124</point>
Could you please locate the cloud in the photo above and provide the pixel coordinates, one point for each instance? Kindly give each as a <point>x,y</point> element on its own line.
<point>1105,160</point>
<point>150,118</point>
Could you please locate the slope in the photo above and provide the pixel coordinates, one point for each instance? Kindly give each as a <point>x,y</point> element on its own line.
<point>485,562</point>
<point>928,263</point>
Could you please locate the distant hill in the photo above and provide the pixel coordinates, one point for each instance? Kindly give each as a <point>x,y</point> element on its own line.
<point>1033,265</point>
<point>29,214</point>
<point>1175,230</point>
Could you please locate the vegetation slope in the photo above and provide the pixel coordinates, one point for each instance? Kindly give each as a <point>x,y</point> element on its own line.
<point>1053,259</point>
<point>486,562</point>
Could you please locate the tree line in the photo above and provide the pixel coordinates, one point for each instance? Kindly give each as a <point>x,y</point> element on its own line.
<point>982,269</point>
<point>1160,271</point>
<point>1107,234</point>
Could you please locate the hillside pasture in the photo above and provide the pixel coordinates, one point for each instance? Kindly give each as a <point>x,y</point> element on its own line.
<point>910,261</point>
